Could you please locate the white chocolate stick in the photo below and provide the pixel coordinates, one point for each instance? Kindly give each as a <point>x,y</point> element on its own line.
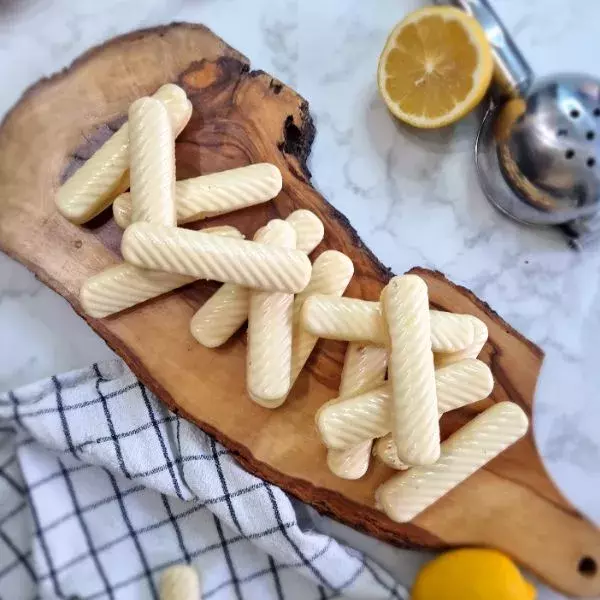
<point>309,229</point>
<point>385,450</point>
<point>180,582</point>
<point>123,286</point>
<point>364,369</point>
<point>353,320</point>
<point>348,422</point>
<point>269,357</point>
<point>462,383</point>
<point>468,379</point>
<point>345,319</point>
<point>415,426</point>
<point>215,194</point>
<point>479,339</point>
<point>450,331</point>
<point>332,271</point>
<point>227,309</point>
<point>406,495</point>
<point>151,162</point>
<point>96,183</point>
<point>221,315</point>
<point>352,463</point>
<point>250,264</point>
<point>345,423</point>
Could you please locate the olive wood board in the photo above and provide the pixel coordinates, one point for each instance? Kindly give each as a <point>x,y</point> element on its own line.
<point>241,117</point>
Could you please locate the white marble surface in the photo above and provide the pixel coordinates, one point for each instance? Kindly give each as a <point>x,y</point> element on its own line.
<point>412,196</point>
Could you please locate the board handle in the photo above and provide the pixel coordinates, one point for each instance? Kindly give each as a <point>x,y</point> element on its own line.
<point>559,545</point>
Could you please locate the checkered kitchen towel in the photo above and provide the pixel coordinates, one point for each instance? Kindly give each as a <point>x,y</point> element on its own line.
<point>101,488</point>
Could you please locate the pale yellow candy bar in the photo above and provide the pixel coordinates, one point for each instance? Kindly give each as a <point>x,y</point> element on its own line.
<point>406,495</point>
<point>364,369</point>
<point>123,286</point>
<point>385,450</point>
<point>227,309</point>
<point>466,382</point>
<point>332,272</point>
<point>414,425</point>
<point>450,332</point>
<point>347,422</point>
<point>221,315</point>
<point>250,264</point>
<point>353,320</point>
<point>180,582</point>
<point>352,463</point>
<point>96,183</point>
<point>215,194</point>
<point>479,339</point>
<point>345,319</point>
<point>270,322</point>
<point>309,229</point>
<point>151,162</point>
<point>462,383</point>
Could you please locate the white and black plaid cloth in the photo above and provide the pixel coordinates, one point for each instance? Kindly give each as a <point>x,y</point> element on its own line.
<point>101,488</point>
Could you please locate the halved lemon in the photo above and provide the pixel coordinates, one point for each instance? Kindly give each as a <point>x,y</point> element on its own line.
<point>436,66</point>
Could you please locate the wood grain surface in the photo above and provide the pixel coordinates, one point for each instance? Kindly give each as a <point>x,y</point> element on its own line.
<point>241,117</point>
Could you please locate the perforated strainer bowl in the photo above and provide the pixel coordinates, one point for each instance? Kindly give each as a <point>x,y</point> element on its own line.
<point>540,163</point>
<point>549,154</point>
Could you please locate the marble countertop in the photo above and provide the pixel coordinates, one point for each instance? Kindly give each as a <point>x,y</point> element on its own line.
<point>413,196</point>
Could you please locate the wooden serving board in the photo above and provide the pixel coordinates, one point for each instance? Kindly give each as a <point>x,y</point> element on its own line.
<point>241,117</point>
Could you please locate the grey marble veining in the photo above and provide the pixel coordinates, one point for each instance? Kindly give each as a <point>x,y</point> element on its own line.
<point>413,196</point>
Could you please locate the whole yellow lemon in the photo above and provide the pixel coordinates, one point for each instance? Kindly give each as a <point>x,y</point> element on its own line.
<point>472,574</point>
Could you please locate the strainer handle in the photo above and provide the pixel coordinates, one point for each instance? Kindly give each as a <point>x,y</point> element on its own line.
<point>512,74</point>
